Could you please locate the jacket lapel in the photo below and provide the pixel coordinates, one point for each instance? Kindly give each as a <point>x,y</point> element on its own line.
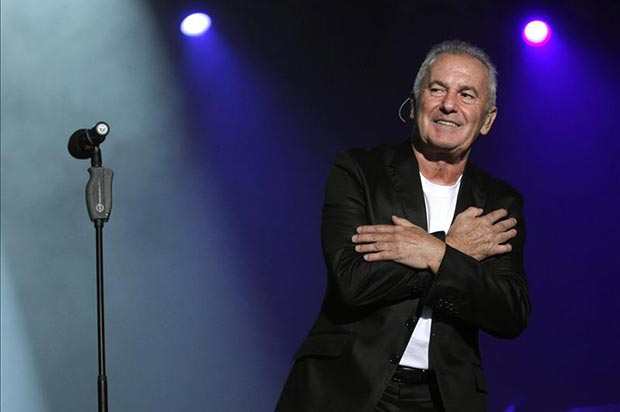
<point>470,193</point>
<point>405,176</point>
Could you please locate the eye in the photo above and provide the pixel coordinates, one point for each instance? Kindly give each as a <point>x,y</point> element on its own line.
<point>468,97</point>
<point>436,91</point>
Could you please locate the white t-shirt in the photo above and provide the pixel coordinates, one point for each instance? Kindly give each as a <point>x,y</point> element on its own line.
<point>440,204</point>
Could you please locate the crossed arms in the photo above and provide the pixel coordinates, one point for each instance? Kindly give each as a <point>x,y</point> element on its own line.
<point>477,270</point>
<point>477,235</point>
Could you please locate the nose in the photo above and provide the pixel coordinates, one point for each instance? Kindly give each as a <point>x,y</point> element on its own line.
<point>448,103</point>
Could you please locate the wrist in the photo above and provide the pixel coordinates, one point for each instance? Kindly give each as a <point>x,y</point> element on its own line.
<point>436,257</point>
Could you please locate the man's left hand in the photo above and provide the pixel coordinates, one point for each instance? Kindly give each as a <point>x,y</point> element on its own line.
<point>402,242</point>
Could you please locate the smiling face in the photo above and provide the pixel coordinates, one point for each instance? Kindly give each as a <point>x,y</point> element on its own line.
<point>452,107</point>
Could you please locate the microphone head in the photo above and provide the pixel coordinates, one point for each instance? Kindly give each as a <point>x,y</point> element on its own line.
<point>80,146</point>
<point>82,142</point>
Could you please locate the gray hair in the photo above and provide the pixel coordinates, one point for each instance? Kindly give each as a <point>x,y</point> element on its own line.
<point>457,47</point>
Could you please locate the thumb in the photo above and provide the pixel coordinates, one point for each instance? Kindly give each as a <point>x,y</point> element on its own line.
<point>399,221</point>
<point>473,211</point>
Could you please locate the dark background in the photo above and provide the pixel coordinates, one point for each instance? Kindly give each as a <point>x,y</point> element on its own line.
<point>221,146</point>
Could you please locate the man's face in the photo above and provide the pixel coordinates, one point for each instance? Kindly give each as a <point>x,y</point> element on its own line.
<point>452,110</point>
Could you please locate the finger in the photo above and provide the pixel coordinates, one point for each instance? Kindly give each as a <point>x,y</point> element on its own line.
<point>506,236</point>
<point>499,249</point>
<point>376,229</point>
<point>495,215</point>
<point>379,256</point>
<point>506,224</point>
<point>371,247</point>
<point>371,237</point>
<point>401,221</point>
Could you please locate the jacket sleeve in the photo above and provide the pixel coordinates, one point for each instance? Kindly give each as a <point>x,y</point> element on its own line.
<point>491,294</point>
<point>351,279</point>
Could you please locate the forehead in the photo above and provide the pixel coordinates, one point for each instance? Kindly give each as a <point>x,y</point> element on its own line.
<point>459,70</point>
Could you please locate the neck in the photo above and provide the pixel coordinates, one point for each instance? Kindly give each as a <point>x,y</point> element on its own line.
<point>437,168</point>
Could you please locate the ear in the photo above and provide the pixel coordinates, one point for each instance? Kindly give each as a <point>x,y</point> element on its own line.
<point>488,120</point>
<point>412,112</point>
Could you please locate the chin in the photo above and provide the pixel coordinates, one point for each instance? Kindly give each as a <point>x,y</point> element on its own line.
<point>445,144</point>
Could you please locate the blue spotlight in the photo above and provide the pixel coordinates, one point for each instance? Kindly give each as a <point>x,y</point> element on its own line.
<point>195,24</point>
<point>536,33</point>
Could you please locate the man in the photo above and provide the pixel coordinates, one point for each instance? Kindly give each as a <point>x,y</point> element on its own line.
<point>422,251</point>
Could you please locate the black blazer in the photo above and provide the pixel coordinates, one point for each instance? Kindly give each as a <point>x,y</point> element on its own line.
<point>370,309</point>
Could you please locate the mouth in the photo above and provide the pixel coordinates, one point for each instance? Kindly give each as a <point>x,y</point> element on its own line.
<point>445,122</point>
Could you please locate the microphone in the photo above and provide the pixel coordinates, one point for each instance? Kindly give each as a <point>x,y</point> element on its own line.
<point>82,142</point>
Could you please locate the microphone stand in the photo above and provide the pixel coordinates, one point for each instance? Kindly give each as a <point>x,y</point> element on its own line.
<point>99,204</point>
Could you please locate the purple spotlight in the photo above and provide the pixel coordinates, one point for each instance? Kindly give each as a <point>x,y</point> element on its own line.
<point>536,33</point>
<point>195,24</point>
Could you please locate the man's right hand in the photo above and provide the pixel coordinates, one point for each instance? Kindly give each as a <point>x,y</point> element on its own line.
<point>482,236</point>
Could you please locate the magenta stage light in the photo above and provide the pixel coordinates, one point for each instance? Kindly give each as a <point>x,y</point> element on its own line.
<point>536,33</point>
<point>195,24</point>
